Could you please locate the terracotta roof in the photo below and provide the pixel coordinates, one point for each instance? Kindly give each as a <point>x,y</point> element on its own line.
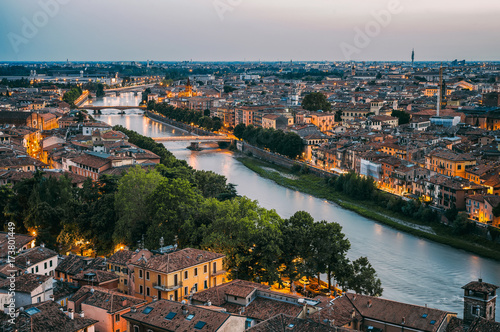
<point>155,314</point>
<point>282,322</point>
<point>20,239</point>
<point>481,287</point>
<point>105,299</point>
<point>91,161</point>
<point>96,276</point>
<point>396,313</point>
<point>48,317</point>
<point>262,308</point>
<point>34,256</point>
<point>217,295</point>
<point>178,260</point>
<point>26,283</point>
<point>73,264</point>
<point>121,257</point>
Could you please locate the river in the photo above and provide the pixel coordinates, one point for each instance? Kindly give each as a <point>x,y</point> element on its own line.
<point>412,269</point>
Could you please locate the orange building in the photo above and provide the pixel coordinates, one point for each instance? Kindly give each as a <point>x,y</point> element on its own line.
<point>177,274</point>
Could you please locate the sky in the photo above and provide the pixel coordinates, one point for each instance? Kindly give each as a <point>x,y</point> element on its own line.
<point>249,30</point>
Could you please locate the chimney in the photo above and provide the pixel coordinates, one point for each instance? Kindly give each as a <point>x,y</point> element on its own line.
<point>184,310</point>
<point>52,297</point>
<point>82,314</point>
<point>71,314</point>
<point>155,298</point>
<point>480,280</point>
<point>28,262</point>
<point>133,309</point>
<point>369,303</point>
<point>403,321</point>
<point>42,245</point>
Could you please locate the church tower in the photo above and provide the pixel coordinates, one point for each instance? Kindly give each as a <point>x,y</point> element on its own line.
<point>479,301</point>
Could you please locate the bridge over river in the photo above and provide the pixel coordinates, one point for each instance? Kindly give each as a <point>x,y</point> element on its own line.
<point>193,139</point>
<point>95,108</point>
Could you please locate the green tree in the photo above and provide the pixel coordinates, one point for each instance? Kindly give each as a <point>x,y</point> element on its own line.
<point>362,278</point>
<point>297,234</point>
<point>315,101</point>
<point>229,89</point>
<point>100,90</point>
<point>172,204</point>
<point>328,252</point>
<point>403,117</point>
<point>239,130</point>
<point>131,198</point>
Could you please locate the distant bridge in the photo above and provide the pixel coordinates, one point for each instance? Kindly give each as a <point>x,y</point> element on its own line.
<point>95,108</point>
<point>131,88</point>
<point>193,139</point>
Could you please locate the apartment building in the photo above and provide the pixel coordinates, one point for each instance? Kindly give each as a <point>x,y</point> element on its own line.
<point>177,274</point>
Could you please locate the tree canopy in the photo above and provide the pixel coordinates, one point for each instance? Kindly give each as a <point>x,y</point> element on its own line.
<point>316,101</point>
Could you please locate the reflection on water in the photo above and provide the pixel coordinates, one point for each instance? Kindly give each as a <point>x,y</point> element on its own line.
<point>412,269</point>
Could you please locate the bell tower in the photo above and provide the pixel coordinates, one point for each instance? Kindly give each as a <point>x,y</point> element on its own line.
<point>479,301</point>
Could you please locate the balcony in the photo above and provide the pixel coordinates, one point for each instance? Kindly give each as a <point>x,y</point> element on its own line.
<point>218,273</point>
<point>167,288</point>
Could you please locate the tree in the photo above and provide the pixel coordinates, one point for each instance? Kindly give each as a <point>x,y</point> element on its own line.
<point>297,234</point>
<point>403,117</point>
<point>100,90</point>
<point>328,252</point>
<point>239,130</point>
<point>229,89</point>
<point>132,195</point>
<point>315,101</point>
<point>363,279</point>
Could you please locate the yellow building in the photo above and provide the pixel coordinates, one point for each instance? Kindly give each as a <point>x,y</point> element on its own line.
<point>178,274</point>
<point>449,163</point>
<point>324,121</point>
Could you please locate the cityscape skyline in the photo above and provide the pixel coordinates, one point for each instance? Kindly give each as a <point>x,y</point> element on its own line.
<point>237,30</point>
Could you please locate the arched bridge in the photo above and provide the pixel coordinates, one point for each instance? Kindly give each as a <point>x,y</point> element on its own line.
<point>193,139</point>
<point>95,108</point>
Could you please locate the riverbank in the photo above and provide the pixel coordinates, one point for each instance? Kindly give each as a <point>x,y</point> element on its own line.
<point>315,186</point>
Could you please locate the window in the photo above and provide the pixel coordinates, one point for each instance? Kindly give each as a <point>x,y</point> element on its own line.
<point>205,268</point>
<point>117,317</point>
<point>205,284</point>
<point>186,290</point>
<point>147,310</point>
<point>36,269</point>
<point>195,287</point>
<point>186,275</point>
<point>39,299</point>
<point>140,274</point>
<point>195,271</point>
<point>117,269</point>
<point>476,311</point>
<point>215,282</point>
<point>170,315</point>
<point>50,263</point>
<point>200,325</point>
<point>147,275</point>
<point>215,267</point>
<point>147,291</point>
<point>32,270</point>
<point>45,265</point>
<point>136,328</point>
<point>140,289</point>
<point>125,282</point>
<point>190,317</point>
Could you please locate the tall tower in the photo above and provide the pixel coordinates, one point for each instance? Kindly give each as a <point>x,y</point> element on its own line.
<point>413,57</point>
<point>440,91</point>
<point>479,301</point>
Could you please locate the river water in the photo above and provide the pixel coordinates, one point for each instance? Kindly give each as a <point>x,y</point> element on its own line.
<point>412,269</point>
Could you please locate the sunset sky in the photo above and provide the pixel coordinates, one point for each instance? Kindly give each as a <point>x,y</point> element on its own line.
<point>269,30</point>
